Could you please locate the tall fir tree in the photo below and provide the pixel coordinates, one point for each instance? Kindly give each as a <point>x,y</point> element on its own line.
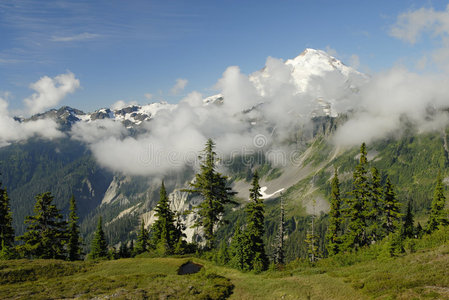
<point>123,251</point>
<point>392,211</point>
<point>408,228</point>
<point>240,250</point>
<point>99,246</point>
<point>131,248</point>
<point>214,189</point>
<point>312,240</point>
<point>74,239</point>
<point>164,231</point>
<point>222,257</point>
<point>334,229</point>
<point>6,252</point>
<point>6,228</point>
<point>279,256</point>
<point>374,207</point>
<point>142,241</point>
<point>46,233</point>
<point>437,213</point>
<point>356,233</point>
<point>255,226</point>
<point>181,244</point>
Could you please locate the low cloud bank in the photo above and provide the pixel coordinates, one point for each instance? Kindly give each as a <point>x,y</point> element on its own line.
<point>13,131</point>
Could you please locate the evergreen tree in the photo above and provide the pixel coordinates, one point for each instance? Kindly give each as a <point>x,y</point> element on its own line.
<point>131,249</point>
<point>123,251</point>
<point>419,231</point>
<point>437,213</point>
<point>356,235</point>
<point>223,254</point>
<point>374,207</point>
<point>213,187</point>
<point>46,232</point>
<point>255,226</point>
<point>180,235</point>
<point>165,233</point>
<point>99,247</point>
<point>408,229</point>
<point>335,218</point>
<point>142,242</point>
<point>6,252</point>
<point>312,240</point>
<point>180,247</point>
<point>240,250</point>
<point>74,240</point>
<point>279,256</point>
<point>6,229</point>
<point>392,212</point>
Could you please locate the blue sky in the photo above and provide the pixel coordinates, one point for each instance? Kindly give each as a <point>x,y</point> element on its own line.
<point>122,50</point>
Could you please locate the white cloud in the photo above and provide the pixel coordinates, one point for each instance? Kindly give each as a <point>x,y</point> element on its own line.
<point>434,24</point>
<point>179,86</point>
<point>12,130</point>
<point>97,130</point>
<point>75,38</point>
<point>121,104</point>
<point>393,99</point>
<point>411,25</point>
<point>49,92</point>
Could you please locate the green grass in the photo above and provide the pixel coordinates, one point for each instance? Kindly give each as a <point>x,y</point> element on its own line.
<point>140,278</point>
<point>369,273</point>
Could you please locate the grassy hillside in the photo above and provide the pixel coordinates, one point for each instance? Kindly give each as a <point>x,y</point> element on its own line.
<point>420,274</point>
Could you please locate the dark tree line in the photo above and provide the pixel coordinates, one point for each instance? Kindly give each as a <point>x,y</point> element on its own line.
<point>372,211</point>
<point>47,235</point>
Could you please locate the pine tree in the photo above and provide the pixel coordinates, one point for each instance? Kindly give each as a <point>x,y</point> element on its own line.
<point>279,248</point>
<point>5,251</point>
<point>255,226</point>
<point>356,235</point>
<point>437,214</point>
<point>6,229</point>
<point>131,249</point>
<point>408,229</point>
<point>313,239</point>
<point>179,234</point>
<point>46,232</point>
<point>165,233</point>
<point>74,241</point>
<point>419,231</point>
<point>223,254</point>
<point>213,187</point>
<point>392,212</point>
<point>142,242</point>
<point>374,207</point>
<point>99,247</point>
<point>335,218</point>
<point>123,251</point>
<point>240,250</point>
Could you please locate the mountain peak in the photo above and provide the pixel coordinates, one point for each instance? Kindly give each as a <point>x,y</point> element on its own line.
<point>311,51</point>
<point>319,61</point>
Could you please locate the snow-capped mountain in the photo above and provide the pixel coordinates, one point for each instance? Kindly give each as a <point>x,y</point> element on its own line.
<point>315,74</point>
<point>321,78</point>
<point>316,63</point>
<point>130,115</point>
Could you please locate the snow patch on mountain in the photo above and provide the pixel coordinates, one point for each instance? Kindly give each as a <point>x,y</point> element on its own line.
<point>265,196</point>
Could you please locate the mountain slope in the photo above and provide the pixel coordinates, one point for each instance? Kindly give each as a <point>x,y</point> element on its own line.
<point>294,152</point>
